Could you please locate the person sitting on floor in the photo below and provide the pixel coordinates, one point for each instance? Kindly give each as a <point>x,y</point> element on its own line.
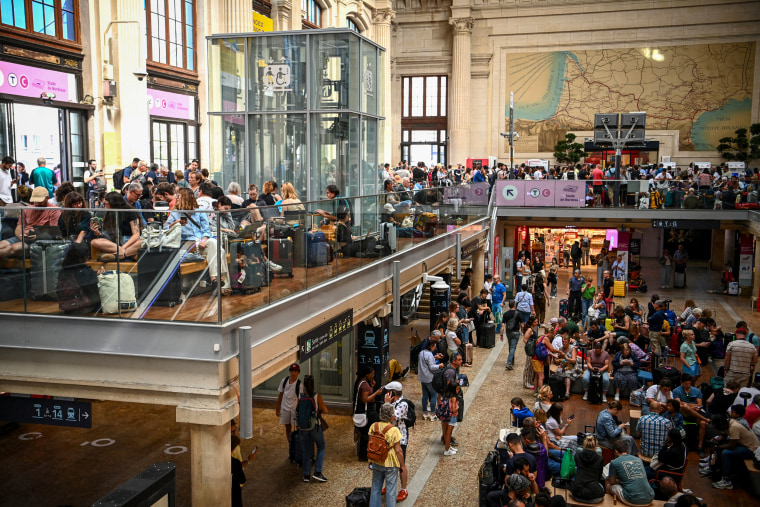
<point>587,486</point>
<point>628,478</point>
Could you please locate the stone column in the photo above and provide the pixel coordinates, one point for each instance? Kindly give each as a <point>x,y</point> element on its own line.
<point>460,90</point>
<point>281,14</point>
<point>238,16</point>
<point>210,464</point>
<point>478,272</point>
<point>131,122</point>
<point>382,24</point>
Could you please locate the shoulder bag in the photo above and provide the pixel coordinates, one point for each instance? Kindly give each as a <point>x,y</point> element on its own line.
<point>156,237</point>
<point>360,420</point>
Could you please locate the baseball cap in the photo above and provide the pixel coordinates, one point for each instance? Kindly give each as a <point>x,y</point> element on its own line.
<point>294,367</point>
<point>394,386</point>
<point>388,208</point>
<point>554,320</point>
<point>39,194</point>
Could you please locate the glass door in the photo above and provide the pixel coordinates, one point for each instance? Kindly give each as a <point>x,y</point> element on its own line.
<point>6,130</point>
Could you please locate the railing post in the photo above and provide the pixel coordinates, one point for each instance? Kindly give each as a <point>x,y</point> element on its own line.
<point>396,293</point>
<point>244,372</point>
<point>459,255</point>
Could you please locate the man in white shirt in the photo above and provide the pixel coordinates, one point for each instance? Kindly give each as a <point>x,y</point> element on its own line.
<point>289,390</point>
<point>538,174</point>
<point>5,181</point>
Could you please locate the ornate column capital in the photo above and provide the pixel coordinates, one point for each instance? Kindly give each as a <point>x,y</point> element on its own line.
<point>383,16</point>
<point>462,25</point>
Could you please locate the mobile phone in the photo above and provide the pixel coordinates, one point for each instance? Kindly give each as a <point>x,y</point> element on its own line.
<point>572,417</point>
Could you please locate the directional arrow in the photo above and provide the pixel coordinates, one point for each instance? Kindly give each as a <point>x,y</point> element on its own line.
<point>510,192</point>
<point>86,415</point>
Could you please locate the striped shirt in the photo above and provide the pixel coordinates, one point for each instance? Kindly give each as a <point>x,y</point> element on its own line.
<point>654,428</point>
<point>742,356</point>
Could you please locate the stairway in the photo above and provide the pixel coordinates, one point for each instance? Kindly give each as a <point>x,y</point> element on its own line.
<point>423,310</point>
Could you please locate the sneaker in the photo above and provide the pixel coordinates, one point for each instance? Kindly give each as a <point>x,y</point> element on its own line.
<point>274,267</point>
<point>701,452</point>
<point>509,367</point>
<point>617,396</point>
<point>433,417</point>
<point>306,478</point>
<point>453,442</point>
<point>585,396</point>
<point>450,452</point>
<point>723,484</point>
<point>402,495</point>
<point>704,472</point>
<point>604,398</point>
<point>319,478</point>
<point>426,417</point>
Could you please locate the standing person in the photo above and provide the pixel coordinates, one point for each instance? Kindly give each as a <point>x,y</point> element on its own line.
<point>465,285</point>
<point>655,320</point>
<point>574,292</point>
<point>498,299</point>
<point>513,333</point>
<point>447,411</point>
<point>618,268</point>
<point>238,475</point>
<point>95,180</point>
<point>43,177</point>
<point>395,397</point>
<point>587,297</point>
<point>530,332</point>
<point>365,404</point>
<point>602,265</point>
<point>388,470</point>
<point>575,255</point>
<point>552,279</point>
<point>7,178</point>
<point>666,269</point>
<point>524,301</point>
<point>597,176</point>
<point>585,250</point>
<point>628,478</point>
<point>290,390</point>
<point>741,358</point>
<point>681,257</point>
<point>689,358</point>
<point>539,297</point>
<point>426,366</point>
<point>313,434</point>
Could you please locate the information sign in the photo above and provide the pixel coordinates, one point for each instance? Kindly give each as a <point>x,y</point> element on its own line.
<point>324,335</point>
<point>50,411</point>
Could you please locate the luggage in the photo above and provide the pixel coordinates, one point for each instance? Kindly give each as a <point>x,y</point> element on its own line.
<point>359,497</point>
<point>13,282</point>
<point>709,198</point>
<point>278,229</point>
<point>619,289</point>
<point>488,338</point>
<point>388,235</point>
<point>668,372</point>
<point>563,309</point>
<point>246,267</point>
<point>281,252</point>
<point>46,257</point>
<point>679,280</point>
<point>77,289</point>
<point>630,199</point>
<point>117,292</point>
<point>468,353</point>
<point>319,254</point>
<point>295,450</point>
<point>669,199</point>
<point>557,384</point>
<point>595,388</point>
<point>156,267</point>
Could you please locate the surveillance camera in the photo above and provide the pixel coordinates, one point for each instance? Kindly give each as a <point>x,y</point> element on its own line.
<point>140,75</point>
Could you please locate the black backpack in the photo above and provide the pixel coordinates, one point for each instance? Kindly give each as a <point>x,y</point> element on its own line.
<point>118,180</point>
<point>439,381</point>
<point>489,470</point>
<point>411,414</point>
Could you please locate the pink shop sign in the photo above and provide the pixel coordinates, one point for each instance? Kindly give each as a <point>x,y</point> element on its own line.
<point>171,105</point>
<point>25,81</point>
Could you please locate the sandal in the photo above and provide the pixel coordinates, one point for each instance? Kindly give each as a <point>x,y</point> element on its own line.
<point>402,495</point>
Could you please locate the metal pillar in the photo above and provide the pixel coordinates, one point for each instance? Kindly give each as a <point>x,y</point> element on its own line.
<point>244,372</point>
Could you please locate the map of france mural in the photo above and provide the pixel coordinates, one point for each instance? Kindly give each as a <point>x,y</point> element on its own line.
<point>704,91</point>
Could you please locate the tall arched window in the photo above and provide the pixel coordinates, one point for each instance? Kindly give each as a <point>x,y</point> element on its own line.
<point>350,23</point>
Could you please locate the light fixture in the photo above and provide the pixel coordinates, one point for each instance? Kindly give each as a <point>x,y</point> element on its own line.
<point>440,285</point>
<point>47,96</point>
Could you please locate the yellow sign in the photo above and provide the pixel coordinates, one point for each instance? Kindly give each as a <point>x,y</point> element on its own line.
<point>262,23</point>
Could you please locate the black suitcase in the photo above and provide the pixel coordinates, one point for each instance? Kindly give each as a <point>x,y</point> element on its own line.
<point>679,280</point>
<point>667,372</point>
<point>595,388</point>
<point>484,489</point>
<point>46,257</point>
<point>488,338</point>
<point>557,385</point>
<point>295,450</point>
<point>414,356</point>
<point>281,252</point>
<point>246,267</point>
<point>13,283</point>
<point>359,497</point>
<point>155,267</point>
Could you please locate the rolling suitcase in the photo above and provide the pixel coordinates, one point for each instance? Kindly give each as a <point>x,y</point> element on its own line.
<point>595,388</point>
<point>318,254</point>
<point>563,309</point>
<point>13,283</point>
<point>679,280</point>
<point>246,267</point>
<point>46,257</point>
<point>151,265</point>
<point>468,353</point>
<point>488,340</point>
<point>557,384</point>
<point>709,198</point>
<point>281,252</point>
<point>388,235</point>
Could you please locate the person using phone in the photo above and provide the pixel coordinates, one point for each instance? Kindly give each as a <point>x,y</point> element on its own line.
<point>95,179</point>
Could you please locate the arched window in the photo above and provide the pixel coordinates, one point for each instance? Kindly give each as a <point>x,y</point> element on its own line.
<point>350,23</point>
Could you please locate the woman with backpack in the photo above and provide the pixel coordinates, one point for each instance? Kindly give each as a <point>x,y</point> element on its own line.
<point>309,411</point>
<point>530,337</point>
<point>364,405</point>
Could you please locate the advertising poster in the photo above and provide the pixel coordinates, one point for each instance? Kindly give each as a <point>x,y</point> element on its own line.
<point>746,256</point>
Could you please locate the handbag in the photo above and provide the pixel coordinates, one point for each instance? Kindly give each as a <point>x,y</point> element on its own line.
<point>360,420</point>
<point>655,464</point>
<point>155,237</point>
<point>323,423</point>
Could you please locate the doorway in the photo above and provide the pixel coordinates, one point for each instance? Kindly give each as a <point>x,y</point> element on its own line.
<point>37,135</point>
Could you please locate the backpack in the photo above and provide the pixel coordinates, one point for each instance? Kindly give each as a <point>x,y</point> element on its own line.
<point>530,345</point>
<point>377,446</point>
<point>541,351</point>
<point>118,179</point>
<point>71,297</point>
<point>439,381</point>
<point>655,200</point>
<point>570,175</point>
<point>411,415</point>
<point>306,412</point>
<point>298,385</point>
<point>488,472</point>
<point>511,323</point>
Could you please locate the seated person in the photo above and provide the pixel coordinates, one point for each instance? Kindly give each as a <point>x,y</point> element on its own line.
<point>116,240</point>
<point>621,323</point>
<point>671,457</point>
<point>587,485</point>
<point>628,478</point>
<point>738,445</point>
<point>673,414</point>
<point>690,400</point>
<point>565,360</point>
<point>195,228</point>
<point>535,445</point>
<point>653,428</point>
<point>346,244</point>
<point>521,485</point>
<point>40,213</point>
<point>598,361</point>
<point>609,429</point>
<point>519,411</point>
<point>596,332</point>
<point>626,366</point>
<point>721,400</point>
<point>77,287</point>
<point>75,225</point>
<point>661,393</point>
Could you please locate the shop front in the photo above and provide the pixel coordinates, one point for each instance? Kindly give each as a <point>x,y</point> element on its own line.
<point>173,128</point>
<point>41,117</point>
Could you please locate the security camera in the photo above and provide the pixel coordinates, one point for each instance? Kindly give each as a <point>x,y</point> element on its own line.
<point>140,75</point>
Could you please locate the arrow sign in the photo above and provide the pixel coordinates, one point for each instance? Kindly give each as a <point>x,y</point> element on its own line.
<point>53,412</point>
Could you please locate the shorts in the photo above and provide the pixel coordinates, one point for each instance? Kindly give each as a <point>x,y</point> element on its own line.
<point>598,189</point>
<point>693,370</point>
<point>617,489</point>
<point>287,416</point>
<point>538,366</point>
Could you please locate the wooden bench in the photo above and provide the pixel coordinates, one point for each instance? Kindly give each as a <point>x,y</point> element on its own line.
<point>634,414</point>
<point>15,263</point>
<point>186,268</point>
<point>608,501</point>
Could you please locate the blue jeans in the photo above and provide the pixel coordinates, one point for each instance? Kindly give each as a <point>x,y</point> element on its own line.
<point>308,439</point>
<point>496,309</point>
<point>552,465</point>
<point>585,305</point>
<point>428,393</point>
<point>513,338</point>
<point>605,381</point>
<point>381,474</point>
<point>731,457</point>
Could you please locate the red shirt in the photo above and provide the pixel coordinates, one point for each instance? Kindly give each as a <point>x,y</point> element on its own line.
<point>598,176</point>
<point>36,215</point>
<point>752,414</point>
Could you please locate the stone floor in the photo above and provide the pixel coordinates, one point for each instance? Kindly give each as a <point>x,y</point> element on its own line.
<point>44,465</point>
